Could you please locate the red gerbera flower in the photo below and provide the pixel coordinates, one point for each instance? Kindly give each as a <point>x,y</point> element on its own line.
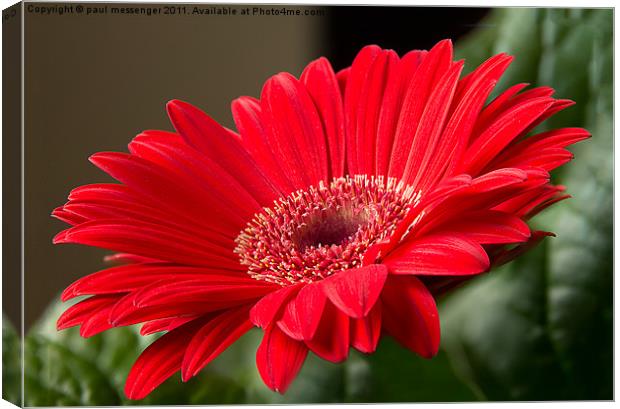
<point>344,204</point>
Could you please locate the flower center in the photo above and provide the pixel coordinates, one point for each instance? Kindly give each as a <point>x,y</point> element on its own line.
<point>330,226</point>
<point>314,233</point>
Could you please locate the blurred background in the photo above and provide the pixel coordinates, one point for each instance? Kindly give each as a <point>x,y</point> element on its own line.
<point>538,329</point>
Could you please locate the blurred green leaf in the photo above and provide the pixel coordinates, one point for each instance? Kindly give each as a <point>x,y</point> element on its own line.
<point>395,374</point>
<point>11,363</point>
<point>541,328</point>
<point>62,368</point>
<point>56,376</point>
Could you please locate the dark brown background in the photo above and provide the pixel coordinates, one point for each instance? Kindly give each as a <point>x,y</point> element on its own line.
<point>93,82</point>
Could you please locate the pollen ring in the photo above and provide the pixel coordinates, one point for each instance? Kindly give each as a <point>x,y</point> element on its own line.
<point>316,232</point>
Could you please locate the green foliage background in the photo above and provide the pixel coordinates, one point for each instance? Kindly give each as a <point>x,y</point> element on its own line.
<point>537,329</point>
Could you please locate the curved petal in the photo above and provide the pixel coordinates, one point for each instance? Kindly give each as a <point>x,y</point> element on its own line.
<point>294,130</point>
<point>213,338</point>
<point>279,359</point>
<point>356,78</point>
<point>248,117</point>
<point>432,68</point>
<point>365,332</point>
<point>439,254</point>
<point>159,361</point>
<point>489,227</point>
<point>369,74</point>
<point>215,142</point>
<point>355,291</point>
<point>310,304</point>
<point>410,315</point>
<point>429,131</point>
<point>331,340</point>
<point>150,240</point>
<point>289,322</point>
<point>500,133</point>
<point>266,310</point>
<point>82,311</point>
<point>126,278</point>
<point>174,192</point>
<point>181,160</point>
<point>322,85</point>
<point>164,324</point>
<point>396,86</point>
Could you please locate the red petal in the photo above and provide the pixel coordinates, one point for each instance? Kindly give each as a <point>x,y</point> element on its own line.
<point>159,361</point>
<point>500,133</point>
<point>497,179</point>
<point>410,315</point>
<point>176,193</point>
<point>331,340</point>
<point>429,130</point>
<point>96,203</point>
<point>492,69</point>
<point>497,105</point>
<point>210,138</point>
<point>165,298</point>
<point>207,290</point>
<point>125,312</point>
<point>310,303</point>
<point>289,322</point>
<point>433,67</point>
<point>164,324</point>
<point>83,310</point>
<point>397,84</point>
<point>558,138</point>
<point>150,240</point>
<point>248,118</point>
<point>279,359</point>
<point>267,308</point>
<point>357,77</point>
<point>557,106</point>
<point>366,108</point>
<point>66,216</point>
<point>213,338</point>
<point>472,92</point>
<point>484,192</point>
<point>439,194</point>
<point>490,227</point>
<point>294,130</point>
<point>355,291</point>
<point>507,101</point>
<point>182,161</point>
<point>439,254</point>
<point>322,85</point>
<point>522,204</point>
<point>343,76</point>
<point>365,332</point>
<point>540,149</point>
<point>126,278</point>
<point>97,322</point>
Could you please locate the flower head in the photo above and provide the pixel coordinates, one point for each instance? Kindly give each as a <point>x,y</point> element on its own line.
<point>345,203</point>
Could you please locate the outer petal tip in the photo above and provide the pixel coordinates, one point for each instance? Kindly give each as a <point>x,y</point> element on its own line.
<point>279,359</point>
<point>67,294</point>
<point>61,324</point>
<point>175,104</point>
<point>60,238</point>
